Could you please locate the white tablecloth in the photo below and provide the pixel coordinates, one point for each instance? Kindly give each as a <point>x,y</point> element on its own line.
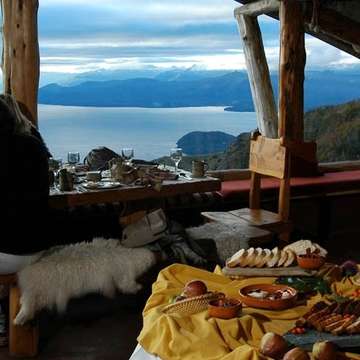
<point>140,354</point>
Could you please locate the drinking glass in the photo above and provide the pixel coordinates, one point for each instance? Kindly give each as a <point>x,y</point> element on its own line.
<point>127,154</point>
<point>176,155</point>
<point>73,158</point>
<point>54,166</point>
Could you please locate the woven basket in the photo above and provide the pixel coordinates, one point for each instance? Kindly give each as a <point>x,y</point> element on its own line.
<point>192,305</point>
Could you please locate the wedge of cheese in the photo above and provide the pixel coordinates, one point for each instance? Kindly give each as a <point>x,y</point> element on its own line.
<point>275,259</point>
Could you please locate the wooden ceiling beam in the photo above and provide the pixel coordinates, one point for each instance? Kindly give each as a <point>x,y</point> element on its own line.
<point>332,27</point>
<point>334,24</point>
<point>257,8</point>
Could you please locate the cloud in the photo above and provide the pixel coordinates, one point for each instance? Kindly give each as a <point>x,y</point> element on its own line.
<point>84,35</point>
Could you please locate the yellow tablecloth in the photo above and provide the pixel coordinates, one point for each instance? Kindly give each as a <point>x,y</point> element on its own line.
<point>201,337</point>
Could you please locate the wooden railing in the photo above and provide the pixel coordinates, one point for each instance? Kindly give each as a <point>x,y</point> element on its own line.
<point>244,174</point>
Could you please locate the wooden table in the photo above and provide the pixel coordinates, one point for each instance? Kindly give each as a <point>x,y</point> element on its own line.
<point>81,196</point>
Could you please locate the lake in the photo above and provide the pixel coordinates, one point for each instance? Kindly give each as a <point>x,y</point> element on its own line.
<point>151,132</point>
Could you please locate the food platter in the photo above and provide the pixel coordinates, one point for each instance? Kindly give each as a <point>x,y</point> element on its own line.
<point>101,185</point>
<point>307,340</point>
<point>268,296</point>
<point>271,272</point>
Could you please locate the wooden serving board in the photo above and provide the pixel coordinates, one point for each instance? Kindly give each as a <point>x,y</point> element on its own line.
<point>259,272</point>
<point>307,340</point>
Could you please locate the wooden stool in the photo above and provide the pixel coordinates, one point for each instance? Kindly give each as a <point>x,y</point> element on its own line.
<point>256,236</point>
<point>23,340</point>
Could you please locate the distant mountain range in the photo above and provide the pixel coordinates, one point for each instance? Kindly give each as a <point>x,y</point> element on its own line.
<point>186,88</point>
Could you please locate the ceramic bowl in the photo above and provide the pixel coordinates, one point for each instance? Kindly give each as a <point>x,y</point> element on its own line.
<point>310,262</point>
<point>224,308</point>
<point>266,303</point>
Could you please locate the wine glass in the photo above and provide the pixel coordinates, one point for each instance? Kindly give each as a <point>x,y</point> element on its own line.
<point>176,155</point>
<point>73,158</point>
<point>54,166</point>
<point>127,154</point>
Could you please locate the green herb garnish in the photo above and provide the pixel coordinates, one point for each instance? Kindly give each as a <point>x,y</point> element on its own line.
<point>305,284</point>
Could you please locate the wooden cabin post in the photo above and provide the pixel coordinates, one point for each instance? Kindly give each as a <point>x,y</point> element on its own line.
<point>291,86</point>
<point>258,71</point>
<point>20,58</point>
<point>291,71</point>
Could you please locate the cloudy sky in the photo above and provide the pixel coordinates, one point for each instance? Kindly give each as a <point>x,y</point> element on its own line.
<point>86,35</point>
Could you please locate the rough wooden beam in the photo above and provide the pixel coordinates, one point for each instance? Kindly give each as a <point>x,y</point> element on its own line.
<point>20,59</point>
<point>258,8</point>
<point>259,76</point>
<point>292,66</point>
<point>331,22</point>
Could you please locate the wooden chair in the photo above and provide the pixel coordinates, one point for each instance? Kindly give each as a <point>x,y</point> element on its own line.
<point>268,157</point>
<point>23,340</point>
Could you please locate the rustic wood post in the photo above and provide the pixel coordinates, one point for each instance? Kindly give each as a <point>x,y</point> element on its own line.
<point>291,72</point>
<point>259,76</point>
<point>291,90</point>
<point>20,58</point>
<point>23,340</point>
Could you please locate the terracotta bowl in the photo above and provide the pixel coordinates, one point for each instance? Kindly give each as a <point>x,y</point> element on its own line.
<point>224,308</point>
<point>310,262</point>
<point>276,304</point>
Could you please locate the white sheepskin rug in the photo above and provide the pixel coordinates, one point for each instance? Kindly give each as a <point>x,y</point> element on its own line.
<point>228,238</point>
<point>101,266</point>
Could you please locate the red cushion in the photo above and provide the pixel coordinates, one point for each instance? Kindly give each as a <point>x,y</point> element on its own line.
<point>237,187</point>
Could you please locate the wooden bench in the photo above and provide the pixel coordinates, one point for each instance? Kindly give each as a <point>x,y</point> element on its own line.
<point>23,340</point>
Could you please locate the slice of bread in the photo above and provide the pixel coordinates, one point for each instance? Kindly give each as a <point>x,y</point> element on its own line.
<point>300,247</point>
<point>249,257</point>
<point>283,257</point>
<point>290,259</point>
<point>259,256</point>
<point>235,259</point>
<point>274,260</point>
<point>266,256</point>
<point>242,259</point>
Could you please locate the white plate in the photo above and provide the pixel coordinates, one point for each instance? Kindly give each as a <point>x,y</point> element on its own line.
<point>100,185</point>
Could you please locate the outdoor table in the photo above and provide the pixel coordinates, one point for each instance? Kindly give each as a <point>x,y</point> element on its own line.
<point>199,336</point>
<point>81,196</point>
